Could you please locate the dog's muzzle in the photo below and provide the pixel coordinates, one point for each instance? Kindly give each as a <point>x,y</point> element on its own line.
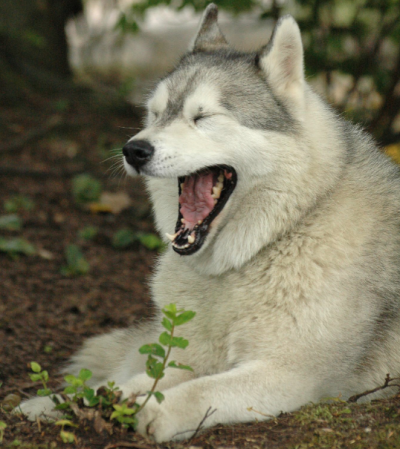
<point>137,153</point>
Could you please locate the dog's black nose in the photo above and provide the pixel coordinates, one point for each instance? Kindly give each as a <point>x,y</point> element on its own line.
<point>138,153</point>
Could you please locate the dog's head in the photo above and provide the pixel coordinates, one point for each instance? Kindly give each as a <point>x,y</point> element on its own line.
<point>222,135</point>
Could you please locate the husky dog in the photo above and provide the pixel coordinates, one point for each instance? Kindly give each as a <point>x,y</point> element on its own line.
<point>283,221</point>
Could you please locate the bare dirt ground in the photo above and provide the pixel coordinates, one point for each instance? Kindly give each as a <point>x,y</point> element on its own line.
<point>44,315</point>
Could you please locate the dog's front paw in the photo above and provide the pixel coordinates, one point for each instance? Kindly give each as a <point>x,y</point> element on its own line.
<point>39,407</point>
<point>161,422</point>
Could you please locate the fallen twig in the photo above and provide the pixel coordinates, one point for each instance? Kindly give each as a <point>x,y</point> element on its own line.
<point>387,384</point>
<point>207,415</point>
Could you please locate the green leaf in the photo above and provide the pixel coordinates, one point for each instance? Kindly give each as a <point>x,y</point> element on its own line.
<point>165,338</point>
<point>85,374</point>
<point>76,263</point>
<point>16,246</point>
<point>86,188</point>
<point>62,406</point>
<point>44,392</point>
<point>150,241</point>
<point>180,366</point>
<point>10,222</point>
<point>45,375</point>
<point>88,233</point>
<point>65,422</point>
<point>154,368</point>
<point>69,378</point>
<point>184,317</point>
<point>67,437</point>
<point>170,308</point>
<point>70,390</point>
<point>167,324</point>
<point>35,367</point>
<point>154,349</point>
<point>159,396</point>
<point>123,238</point>
<point>179,342</point>
<point>35,377</point>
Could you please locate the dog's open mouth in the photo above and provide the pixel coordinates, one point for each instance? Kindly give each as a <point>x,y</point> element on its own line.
<point>202,196</point>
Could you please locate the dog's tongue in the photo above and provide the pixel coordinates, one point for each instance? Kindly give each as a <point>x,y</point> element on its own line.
<point>195,200</point>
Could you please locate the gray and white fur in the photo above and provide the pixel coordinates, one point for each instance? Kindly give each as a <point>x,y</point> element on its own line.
<point>297,286</point>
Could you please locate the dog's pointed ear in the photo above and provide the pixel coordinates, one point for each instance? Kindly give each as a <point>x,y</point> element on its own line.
<point>282,60</point>
<point>209,36</point>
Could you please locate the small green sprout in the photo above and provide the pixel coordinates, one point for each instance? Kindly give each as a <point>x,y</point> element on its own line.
<point>126,237</point>
<point>3,425</point>
<point>88,233</point>
<point>67,437</point>
<point>43,376</point>
<point>86,189</point>
<point>123,238</point>
<point>124,415</point>
<point>76,262</point>
<point>15,246</point>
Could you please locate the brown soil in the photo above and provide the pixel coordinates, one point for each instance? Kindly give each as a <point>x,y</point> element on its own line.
<point>44,316</point>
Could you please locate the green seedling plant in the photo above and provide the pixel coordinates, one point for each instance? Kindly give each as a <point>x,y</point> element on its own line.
<point>16,246</point>
<point>3,426</point>
<point>158,355</point>
<point>86,188</point>
<point>126,237</point>
<point>76,263</point>
<point>157,359</point>
<point>88,233</point>
<point>42,376</point>
<point>67,437</point>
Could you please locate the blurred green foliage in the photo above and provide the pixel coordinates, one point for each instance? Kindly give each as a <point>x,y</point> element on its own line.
<point>356,39</point>
<point>86,188</point>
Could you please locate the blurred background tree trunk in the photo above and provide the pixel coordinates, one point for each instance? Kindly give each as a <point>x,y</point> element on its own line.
<point>33,45</point>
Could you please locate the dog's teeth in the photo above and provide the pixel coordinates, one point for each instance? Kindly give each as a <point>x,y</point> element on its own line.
<point>171,237</point>
<point>215,201</point>
<point>192,237</point>
<point>183,220</point>
<point>216,192</point>
<point>182,186</point>
<point>221,178</point>
<point>200,222</point>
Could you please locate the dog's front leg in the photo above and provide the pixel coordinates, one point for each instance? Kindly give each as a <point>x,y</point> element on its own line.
<point>142,383</point>
<point>251,391</point>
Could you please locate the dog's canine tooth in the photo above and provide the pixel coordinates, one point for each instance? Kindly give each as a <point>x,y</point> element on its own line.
<point>192,237</point>
<point>171,237</point>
